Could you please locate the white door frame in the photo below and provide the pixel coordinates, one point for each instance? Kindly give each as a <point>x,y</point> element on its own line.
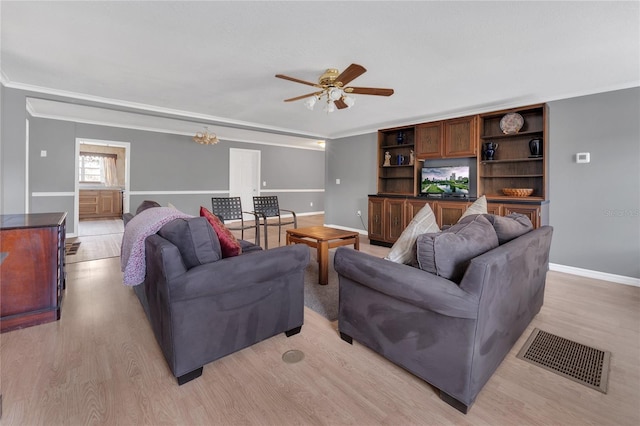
<point>127,178</point>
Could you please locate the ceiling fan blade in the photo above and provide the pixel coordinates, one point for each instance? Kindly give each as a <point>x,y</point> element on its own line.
<point>302,96</point>
<point>353,71</point>
<point>340,104</point>
<point>369,91</point>
<point>297,80</point>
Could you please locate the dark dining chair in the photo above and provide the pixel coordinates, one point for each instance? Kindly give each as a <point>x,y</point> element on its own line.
<point>266,207</point>
<point>230,208</point>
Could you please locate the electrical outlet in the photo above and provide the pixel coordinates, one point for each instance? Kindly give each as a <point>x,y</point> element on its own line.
<point>359,213</point>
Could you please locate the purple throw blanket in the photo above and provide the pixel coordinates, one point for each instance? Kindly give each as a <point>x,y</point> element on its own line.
<point>145,223</point>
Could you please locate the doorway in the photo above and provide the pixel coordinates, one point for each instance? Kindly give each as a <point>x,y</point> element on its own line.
<point>124,185</point>
<point>244,176</point>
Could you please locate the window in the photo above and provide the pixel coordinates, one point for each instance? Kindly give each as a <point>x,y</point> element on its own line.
<point>91,168</point>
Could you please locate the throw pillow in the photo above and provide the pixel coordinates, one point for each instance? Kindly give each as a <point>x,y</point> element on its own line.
<point>449,252</point>
<point>478,207</point>
<point>228,242</point>
<point>403,250</point>
<point>196,240</point>
<point>146,204</point>
<point>510,227</point>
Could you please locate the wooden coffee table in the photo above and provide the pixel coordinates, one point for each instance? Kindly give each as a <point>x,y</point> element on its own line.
<point>323,238</point>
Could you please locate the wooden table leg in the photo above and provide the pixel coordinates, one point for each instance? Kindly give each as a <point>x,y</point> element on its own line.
<point>323,263</point>
<point>356,245</point>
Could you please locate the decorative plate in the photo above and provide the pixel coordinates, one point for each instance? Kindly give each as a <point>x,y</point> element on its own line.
<point>511,123</point>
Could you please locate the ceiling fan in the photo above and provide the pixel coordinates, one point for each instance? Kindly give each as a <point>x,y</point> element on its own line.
<point>333,87</point>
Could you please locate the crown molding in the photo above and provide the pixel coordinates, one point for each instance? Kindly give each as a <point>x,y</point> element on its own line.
<point>160,110</point>
<point>160,130</point>
<point>511,103</point>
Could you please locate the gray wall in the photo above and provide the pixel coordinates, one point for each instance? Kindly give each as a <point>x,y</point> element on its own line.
<point>354,161</point>
<point>593,207</point>
<point>159,162</point>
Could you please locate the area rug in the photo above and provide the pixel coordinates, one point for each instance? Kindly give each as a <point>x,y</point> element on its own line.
<point>575,361</point>
<point>321,298</point>
<point>71,248</point>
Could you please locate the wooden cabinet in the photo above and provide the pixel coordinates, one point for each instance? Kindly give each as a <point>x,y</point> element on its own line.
<point>32,275</point>
<point>376,213</point>
<point>449,212</point>
<point>439,139</point>
<point>460,136</point>
<point>386,218</point>
<point>100,203</point>
<point>413,206</point>
<point>534,212</point>
<point>514,165</point>
<point>389,216</point>
<point>394,218</point>
<point>429,140</point>
<point>447,139</point>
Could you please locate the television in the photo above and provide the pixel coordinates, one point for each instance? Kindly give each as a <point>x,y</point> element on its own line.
<point>445,181</point>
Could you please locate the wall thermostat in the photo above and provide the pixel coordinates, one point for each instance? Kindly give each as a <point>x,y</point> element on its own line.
<point>583,157</point>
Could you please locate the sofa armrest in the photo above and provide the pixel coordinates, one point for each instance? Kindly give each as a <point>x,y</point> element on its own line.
<point>406,283</point>
<point>239,272</point>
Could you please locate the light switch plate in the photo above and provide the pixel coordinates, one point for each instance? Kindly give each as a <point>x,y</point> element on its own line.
<point>43,153</point>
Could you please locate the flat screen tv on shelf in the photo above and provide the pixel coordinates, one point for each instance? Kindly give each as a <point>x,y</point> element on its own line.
<point>445,181</point>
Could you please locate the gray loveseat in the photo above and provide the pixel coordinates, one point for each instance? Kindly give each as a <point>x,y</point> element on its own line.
<point>202,307</point>
<point>452,333</point>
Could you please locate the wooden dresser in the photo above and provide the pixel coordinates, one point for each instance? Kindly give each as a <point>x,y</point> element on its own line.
<point>32,275</point>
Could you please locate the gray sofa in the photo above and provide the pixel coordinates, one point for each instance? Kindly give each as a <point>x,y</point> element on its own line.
<point>453,335</point>
<point>202,307</point>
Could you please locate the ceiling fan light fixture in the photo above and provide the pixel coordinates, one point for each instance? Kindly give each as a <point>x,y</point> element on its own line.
<point>330,107</point>
<point>334,88</point>
<point>348,100</point>
<point>310,102</point>
<point>335,93</point>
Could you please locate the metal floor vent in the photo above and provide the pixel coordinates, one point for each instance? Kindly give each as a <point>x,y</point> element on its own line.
<point>580,363</point>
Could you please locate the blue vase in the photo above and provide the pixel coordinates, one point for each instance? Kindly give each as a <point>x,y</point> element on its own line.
<point>400,138</point>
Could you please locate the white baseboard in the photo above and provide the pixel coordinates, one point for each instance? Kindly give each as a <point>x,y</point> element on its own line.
<point>605,276</point>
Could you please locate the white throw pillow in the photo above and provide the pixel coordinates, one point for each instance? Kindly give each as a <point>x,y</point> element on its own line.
<point>478,207</point>
<point>403,250</point>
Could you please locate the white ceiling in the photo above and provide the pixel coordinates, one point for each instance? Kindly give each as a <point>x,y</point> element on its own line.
<point>214,62</point>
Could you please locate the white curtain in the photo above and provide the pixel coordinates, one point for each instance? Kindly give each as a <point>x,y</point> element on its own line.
<point>110,172</point>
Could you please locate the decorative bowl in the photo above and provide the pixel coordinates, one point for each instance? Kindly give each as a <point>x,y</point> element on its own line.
<point>517,192</point>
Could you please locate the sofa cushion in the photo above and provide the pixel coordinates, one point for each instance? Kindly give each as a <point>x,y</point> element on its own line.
<point>449,252</point>
<point>403,250</point>
<point>228,242</point>
<point>509,227</point>
<point>146,204</point>
<point>195,238</point>
<point>478,207</point>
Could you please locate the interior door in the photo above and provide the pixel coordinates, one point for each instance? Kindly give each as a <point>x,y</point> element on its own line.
<point>244,176</point>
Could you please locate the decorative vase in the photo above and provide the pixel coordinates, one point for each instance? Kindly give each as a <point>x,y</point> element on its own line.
<point>400,138</point>
<point>535,146</point>
<point>490,150</point>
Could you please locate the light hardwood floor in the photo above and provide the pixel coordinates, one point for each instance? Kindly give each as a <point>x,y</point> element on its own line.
<point>100,364</point>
